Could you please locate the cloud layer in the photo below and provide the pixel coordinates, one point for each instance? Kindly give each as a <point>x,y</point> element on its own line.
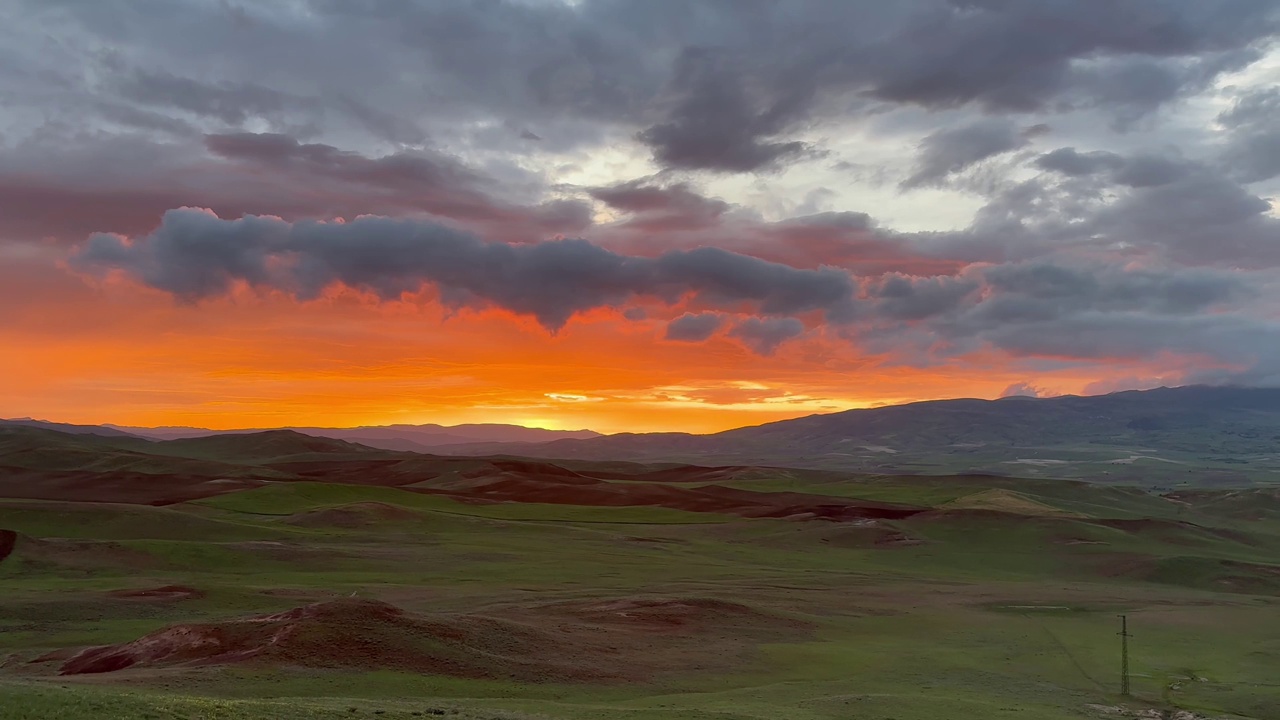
<point>975,187</point>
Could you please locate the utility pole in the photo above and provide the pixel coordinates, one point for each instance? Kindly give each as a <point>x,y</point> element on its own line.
<point>1124,654</point>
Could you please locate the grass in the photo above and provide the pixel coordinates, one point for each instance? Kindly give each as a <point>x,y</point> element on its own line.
<point>295,497</point>
<point>989,615</point>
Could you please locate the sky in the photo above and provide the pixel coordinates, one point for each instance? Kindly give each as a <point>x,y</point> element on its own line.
<point>628,215</point>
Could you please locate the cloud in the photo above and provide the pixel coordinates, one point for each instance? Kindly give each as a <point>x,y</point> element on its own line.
<point>716,124</point>
<point>725,87</point>
<point>1111,385</point>
<point>68,187</point>
<point>657,209</point>
<point>195,255</point>
<point>232,103</point>
<point>1026,389</point>
<point>764,336</point>
<point>901,297</point>
<point>442,185</point>
<point>946,152</point>
<point>694,328</point>
<point>1252,153</point>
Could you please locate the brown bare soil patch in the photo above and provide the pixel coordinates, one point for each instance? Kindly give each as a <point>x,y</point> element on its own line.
<point>163,593</point>
<point>1177,532</point>
<point>120,486</point>
<point>525,482</point>
<point>354,515</point>
<point>8,540</point>
<point>601,641</point>
<point>84,555</point>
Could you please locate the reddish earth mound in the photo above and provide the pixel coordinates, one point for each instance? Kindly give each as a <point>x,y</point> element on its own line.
<point>354,515</point>
<point>352,633</point>
<point>615,640</point>
<point>531,467</point>
<point>520,486</point>
<point>8,540</point>
<point>166,592</point>
<point>119,486</point>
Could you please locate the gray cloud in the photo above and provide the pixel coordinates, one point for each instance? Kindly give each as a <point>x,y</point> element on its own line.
<point>764,336</point>
<point>196,255</point>
<point>1253,150</point>
<point>949,151</point>
<point>655,209</point>
<point>723,86</point>
<point>904,298</point>
<point>694,328</point>
<point>1143,170</point>
<point>232,103</point>
<point>1023,389</point>
<point>716,124</point>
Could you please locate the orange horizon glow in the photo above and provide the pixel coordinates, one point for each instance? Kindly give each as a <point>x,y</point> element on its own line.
<point>120,354</point>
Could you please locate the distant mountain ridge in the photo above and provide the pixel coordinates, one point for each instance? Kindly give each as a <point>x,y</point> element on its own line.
<point>1215,432</point>
<point>70,429</point>
<point>411,438</point>
<point>1208,434</point>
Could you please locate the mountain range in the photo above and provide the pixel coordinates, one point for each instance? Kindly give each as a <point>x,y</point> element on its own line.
<point>1223,435</point>
<point>412,438</point>
<point>1212,434</point>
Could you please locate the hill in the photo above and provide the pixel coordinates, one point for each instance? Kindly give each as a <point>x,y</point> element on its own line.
<point>413,438</point>
<point>1214,435</point>
<point>102,430</point>
<point>343,581</point>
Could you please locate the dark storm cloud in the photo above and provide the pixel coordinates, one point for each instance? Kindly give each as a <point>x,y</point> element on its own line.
<point>949,151</point>
<point>694,328</point>
<point>196,255</point>
<point>764,336</point>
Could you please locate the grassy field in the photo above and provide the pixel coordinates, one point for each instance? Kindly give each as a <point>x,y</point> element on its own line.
<point>999,601</point>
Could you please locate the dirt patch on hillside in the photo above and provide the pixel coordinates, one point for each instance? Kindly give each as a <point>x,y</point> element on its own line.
<point>1007,501</point>
<point>118,486</point>
<point>525,482</point>
<point>78,555</point>
<point>656,614</point>
<point>1177,532</point>
<point>8,540</point>
<point>623,640</point>
<point>162,594</point>
<point>354,515</point>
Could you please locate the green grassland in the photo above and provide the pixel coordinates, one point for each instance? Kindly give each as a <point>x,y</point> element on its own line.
<point>1000,602</point>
